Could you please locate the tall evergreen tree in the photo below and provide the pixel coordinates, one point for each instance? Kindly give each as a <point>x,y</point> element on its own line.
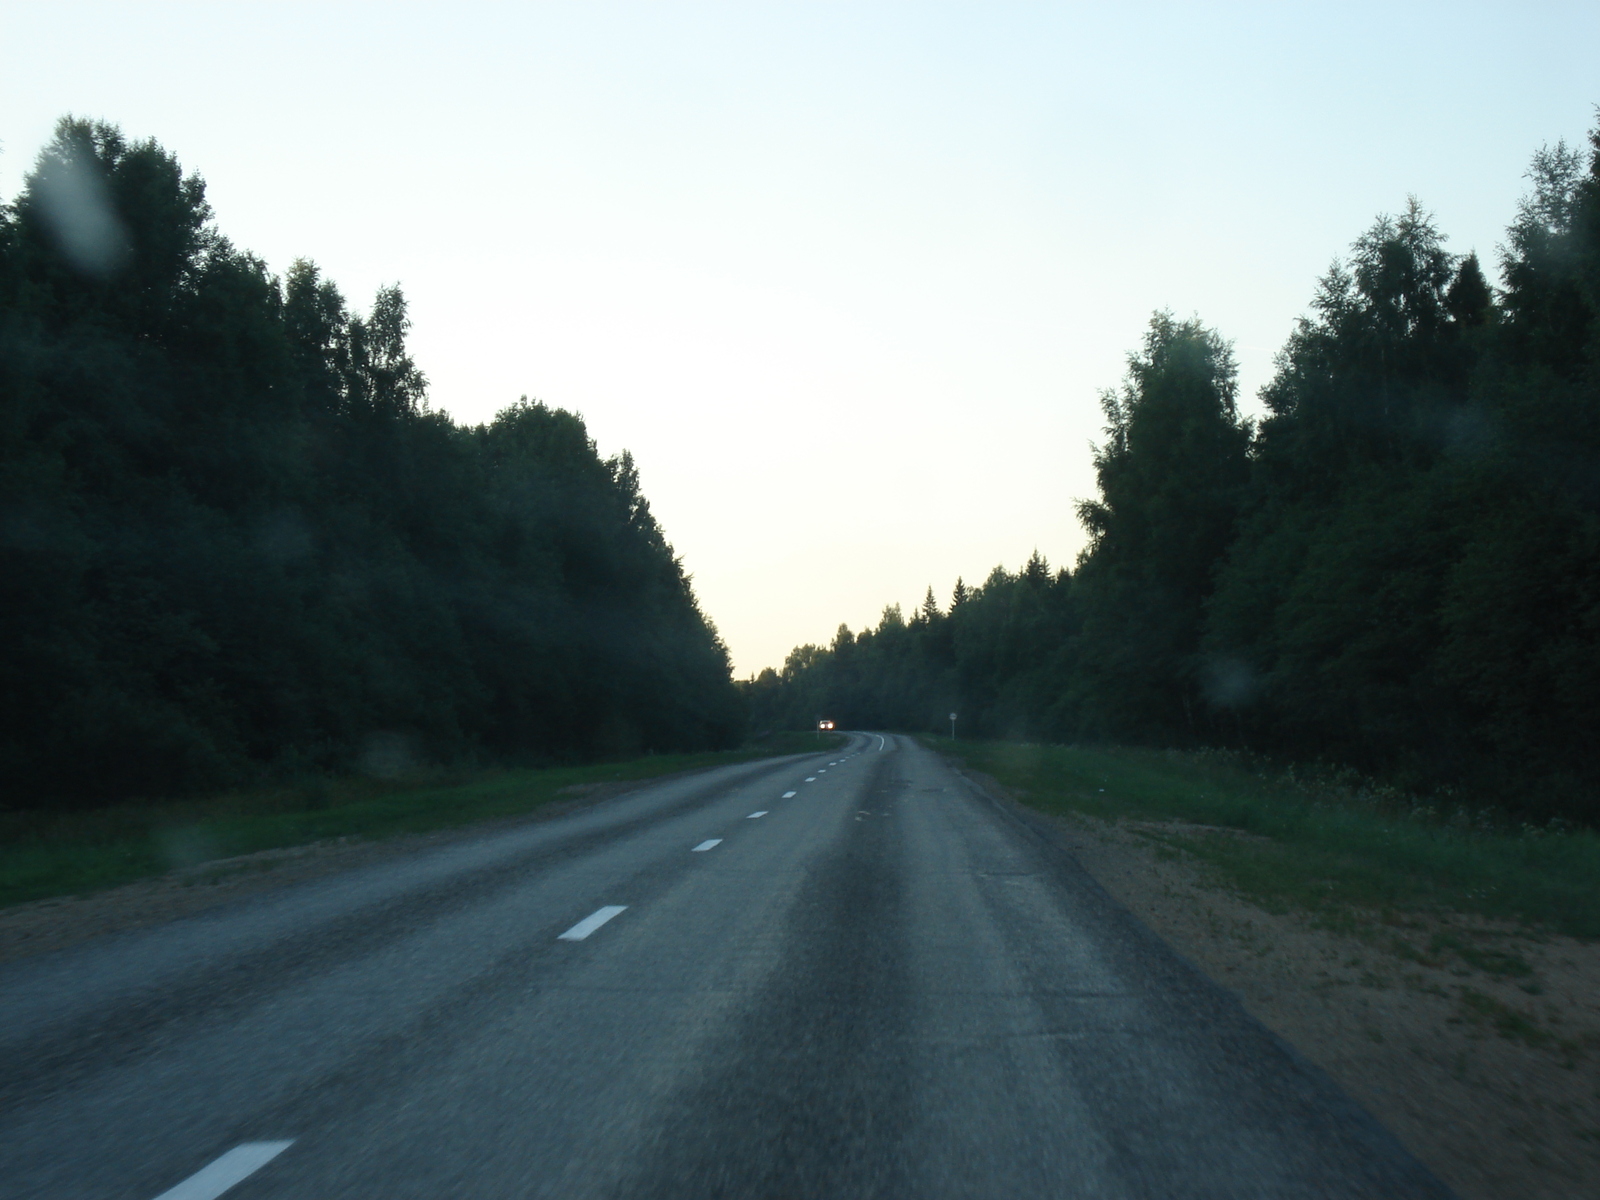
<point>1172,474</point>
<point>1399,569</point>
<point>236,543</point>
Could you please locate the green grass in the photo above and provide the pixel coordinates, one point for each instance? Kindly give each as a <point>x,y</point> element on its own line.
<point>54,854</point>
<point>1321,844</point>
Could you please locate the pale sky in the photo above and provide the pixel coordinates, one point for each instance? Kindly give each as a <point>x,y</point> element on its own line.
<point>847,279</point>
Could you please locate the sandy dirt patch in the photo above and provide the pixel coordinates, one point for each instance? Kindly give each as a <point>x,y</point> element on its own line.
<point>1476,1043</point>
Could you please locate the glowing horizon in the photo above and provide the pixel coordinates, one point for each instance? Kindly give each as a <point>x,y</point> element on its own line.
<point>846,281</point>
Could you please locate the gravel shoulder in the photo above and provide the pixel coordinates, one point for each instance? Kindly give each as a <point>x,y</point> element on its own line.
<point>42,926</point>
<point>1477,1044</point>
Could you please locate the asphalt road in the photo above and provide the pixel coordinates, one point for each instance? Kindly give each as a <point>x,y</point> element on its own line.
<point>884,984</point>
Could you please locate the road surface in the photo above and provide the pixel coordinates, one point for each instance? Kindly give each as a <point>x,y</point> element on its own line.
<point>841,975</point>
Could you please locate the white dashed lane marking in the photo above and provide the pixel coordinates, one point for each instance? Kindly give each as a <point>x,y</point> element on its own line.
<point>708,844</point>
<point>754,815</point>
<point>592,922</point>
<point>811,778</point>
<point>233,1167</point>
<point>790,795</point>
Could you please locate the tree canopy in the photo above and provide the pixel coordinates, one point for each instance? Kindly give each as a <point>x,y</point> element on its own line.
<point>236,541</point>
<point>1397,568</point>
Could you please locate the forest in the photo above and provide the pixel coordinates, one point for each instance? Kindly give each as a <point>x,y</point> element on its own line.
<point>1395,569</point>
<point>237,543</point>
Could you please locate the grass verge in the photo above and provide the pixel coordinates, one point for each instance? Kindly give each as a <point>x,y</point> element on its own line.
<point>1315,845</point>
<point>45,854</point>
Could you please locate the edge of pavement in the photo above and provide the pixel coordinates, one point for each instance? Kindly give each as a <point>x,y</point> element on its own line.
<point>1182,968</point>
<point>58,922</point>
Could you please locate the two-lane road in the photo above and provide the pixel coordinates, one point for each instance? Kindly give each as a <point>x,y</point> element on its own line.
<point>848,974</point>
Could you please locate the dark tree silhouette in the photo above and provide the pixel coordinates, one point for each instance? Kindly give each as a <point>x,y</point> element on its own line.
<point>236,543</point>
<point>1399,569</point>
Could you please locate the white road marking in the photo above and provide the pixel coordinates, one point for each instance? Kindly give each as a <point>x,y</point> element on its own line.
<point>754,815</point>
<point>811,778</point>
<point>708,844</point>
<point>592,922</point>
<point>790,795</point>
<point>233,1167</point>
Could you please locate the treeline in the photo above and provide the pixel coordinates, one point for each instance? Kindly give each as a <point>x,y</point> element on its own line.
<point>236,543</point>
<point>1397,568</point>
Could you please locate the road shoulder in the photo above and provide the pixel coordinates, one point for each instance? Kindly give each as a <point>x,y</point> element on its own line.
<point>1485,1066</point>
<point>56,923</point>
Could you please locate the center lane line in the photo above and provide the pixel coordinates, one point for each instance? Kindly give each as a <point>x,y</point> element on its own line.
<point>707,844</point>
<point>789,795</point>
<point>754,815</point>
<point>811,778</point>
<point>221,1174</point>
<point>592,922</point>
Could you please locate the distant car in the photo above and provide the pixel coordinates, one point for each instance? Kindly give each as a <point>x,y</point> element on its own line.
<point>824,724</point>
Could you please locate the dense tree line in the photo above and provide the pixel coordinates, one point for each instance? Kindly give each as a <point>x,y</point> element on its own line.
<point>1397,567</point>
<point>235,541</point>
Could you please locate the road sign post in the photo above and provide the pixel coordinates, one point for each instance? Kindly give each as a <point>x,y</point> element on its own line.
<point>952,727</point>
